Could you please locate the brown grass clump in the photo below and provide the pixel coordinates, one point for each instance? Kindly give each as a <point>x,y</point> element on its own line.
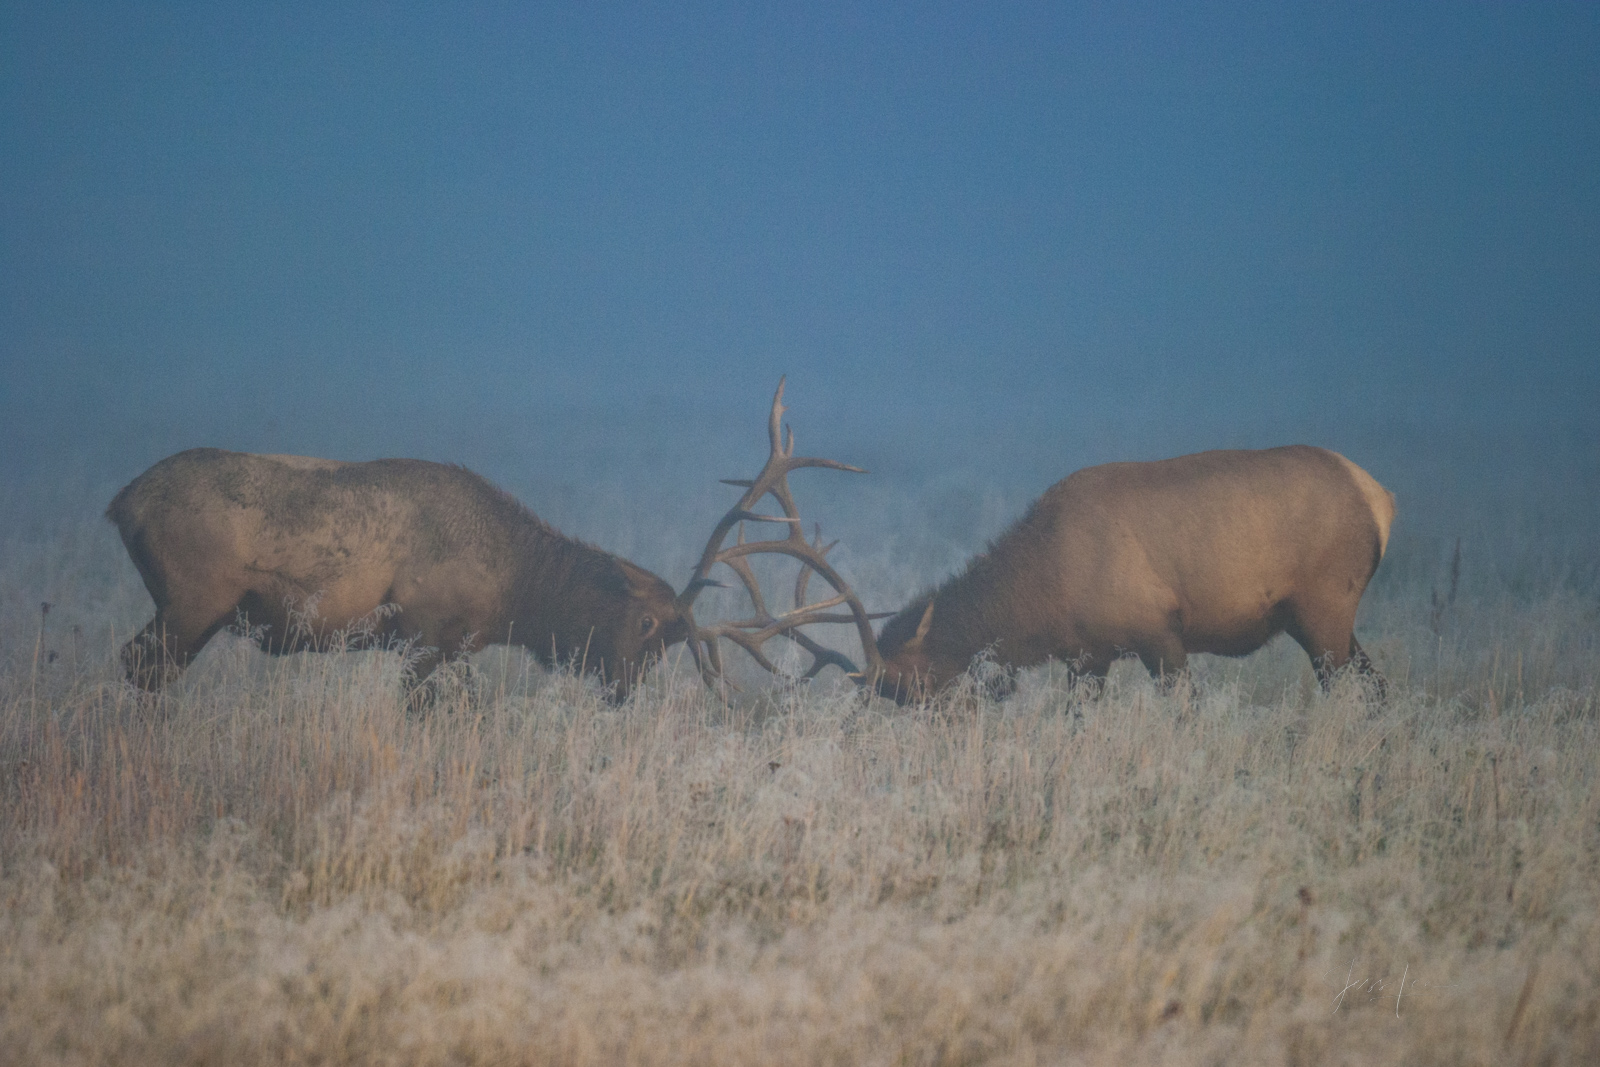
<point>275,863</point>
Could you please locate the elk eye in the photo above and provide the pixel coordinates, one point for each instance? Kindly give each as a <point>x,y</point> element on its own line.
<point>647,625</point>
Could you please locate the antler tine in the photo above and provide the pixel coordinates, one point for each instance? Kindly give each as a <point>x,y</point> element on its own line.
<point>821,656</point>
<point>804,577</point>
<point>798,548</point>
<point>740,565</point>
<point>775,420</point>
<point>772,476</point>
<point>751,642</point>
<point>752,635</point>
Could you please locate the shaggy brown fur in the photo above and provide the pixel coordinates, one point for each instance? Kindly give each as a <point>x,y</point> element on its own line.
<point>1216,552</point>
<point>460,564</point>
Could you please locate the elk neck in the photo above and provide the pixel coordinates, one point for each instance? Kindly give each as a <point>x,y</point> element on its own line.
<point>561,586</point>
<point>991,602</point>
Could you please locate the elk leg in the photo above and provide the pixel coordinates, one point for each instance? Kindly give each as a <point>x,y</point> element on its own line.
<point>419,638</point>
<point>1330,642</point>
<point>1363,665</point>
<point>147,659</point>
<point>419,690</point>
<point>997,680</point>
<point>420,663</point>
<point>1164,657</point>
<point>1084,669</point>
<point>159,653</point>
<point>186,618</point>
<point>423,659</point>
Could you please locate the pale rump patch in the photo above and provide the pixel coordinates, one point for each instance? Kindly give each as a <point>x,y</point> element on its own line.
<point>1379,499</point>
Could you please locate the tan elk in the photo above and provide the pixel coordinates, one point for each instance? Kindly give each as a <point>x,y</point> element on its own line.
<point>421,552</point>
<point>1216,552</point>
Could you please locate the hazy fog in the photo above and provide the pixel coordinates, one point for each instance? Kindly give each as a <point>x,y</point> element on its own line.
<point>576,250</point>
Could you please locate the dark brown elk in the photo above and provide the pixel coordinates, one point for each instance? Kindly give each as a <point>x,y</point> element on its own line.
<point>1217,552</point>
<point>419,552</point>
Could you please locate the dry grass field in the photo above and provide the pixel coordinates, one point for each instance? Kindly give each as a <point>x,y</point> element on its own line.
<point>277,864</point>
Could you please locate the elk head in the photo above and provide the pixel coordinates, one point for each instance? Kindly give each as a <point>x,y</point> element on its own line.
<point>907,670</point>
<point>645,621</point>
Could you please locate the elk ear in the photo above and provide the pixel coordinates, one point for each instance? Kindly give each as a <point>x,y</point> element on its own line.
<point>922,627</point>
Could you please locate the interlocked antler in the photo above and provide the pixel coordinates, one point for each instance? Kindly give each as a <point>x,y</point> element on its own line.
<point>752,634</point>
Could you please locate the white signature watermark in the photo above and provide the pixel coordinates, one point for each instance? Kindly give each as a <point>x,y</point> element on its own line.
<point>1374,988</point>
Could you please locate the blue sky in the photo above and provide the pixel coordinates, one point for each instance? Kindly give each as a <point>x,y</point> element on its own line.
<point>235,225</point>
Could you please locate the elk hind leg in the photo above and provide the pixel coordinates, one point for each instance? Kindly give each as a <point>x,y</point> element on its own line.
<point>1363,666</point>
<point>1329,640</point>
<point>148,660</point>
<point>162,650</point>
<point>192,603</point>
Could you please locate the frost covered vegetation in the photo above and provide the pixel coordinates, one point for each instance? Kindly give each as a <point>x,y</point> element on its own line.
<point>276,863</point>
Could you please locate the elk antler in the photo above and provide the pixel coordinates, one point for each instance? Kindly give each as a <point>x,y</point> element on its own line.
<point>752,634</point>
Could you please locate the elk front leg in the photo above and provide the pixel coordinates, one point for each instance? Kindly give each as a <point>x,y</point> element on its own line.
<point>1165,658</point>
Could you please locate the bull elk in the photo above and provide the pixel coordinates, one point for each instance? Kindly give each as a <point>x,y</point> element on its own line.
<point>423,552</point>
<point>1217,552</point>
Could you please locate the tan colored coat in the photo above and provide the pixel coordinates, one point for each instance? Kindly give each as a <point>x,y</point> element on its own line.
<point>1215,552</point>
<point>425,552</point>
